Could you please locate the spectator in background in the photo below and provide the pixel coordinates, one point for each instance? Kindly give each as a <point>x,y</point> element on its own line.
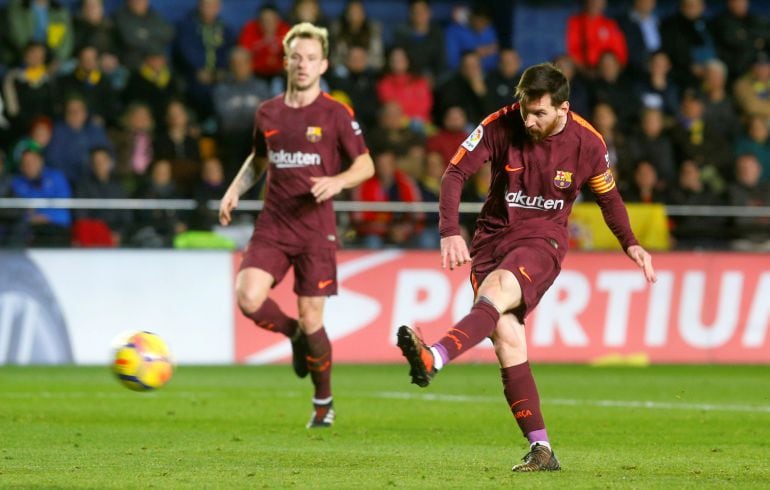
<point>687,42</point>
<point>179,143</point>
<point>35,180</point>
<point>651,143</point>
<point>355,28</point>
<point>210,187</point>
<point>641,29</point>
<point>430,185</point>
<point>5,125</point>
<point>307,11</point>
<point>719,111</point>
<point>605,121</point>
<point>88,83</point>
<point>402,85</point>
<point>41,21</point>
<point>389,184</point>
<point>475,190</point>
<point>465,88</point>
<point>236,99</point>
<point>739,35</point>
<point>501,82</point>
<point>657,90</point>
<point>133,145</point>
<point>359,84</point>
<point>73,139</point>
<point>11,224</point>
<point>590,34</point>
<point>423,40</point>
<point>756,141</point>
<point>695,140</point>
<point>750,234</point>
<point>158,227</point>
<point>392,133</point>
<point>579,92</point>
<point>262,37</point>
<point>613,87</point>
<point>93,28</point>
<point>153,84</point>
<point>453,132</point>
<point>141,29</point>
<point>695,232</point>
<point>100,183</point>
<point>29,90</point>
<point>8,55</point>
<point>752,90</point>
<point>645,187</point>
<point>471,32</point>
<point>201,46</point>
<point>38,139</point>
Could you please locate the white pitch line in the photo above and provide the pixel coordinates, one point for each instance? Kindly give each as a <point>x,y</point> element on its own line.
<point>649,404</point>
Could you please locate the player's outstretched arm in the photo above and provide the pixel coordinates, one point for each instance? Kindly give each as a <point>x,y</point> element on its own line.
<point>643,260</point>
<point>246,178</point>
<point>454,252</point>
<point>361,169</point>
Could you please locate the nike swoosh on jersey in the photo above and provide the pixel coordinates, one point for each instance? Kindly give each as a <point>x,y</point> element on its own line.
<point>524,273</point>
<point>508,168</point>
<point>271,132</point>
<point>323,284</point>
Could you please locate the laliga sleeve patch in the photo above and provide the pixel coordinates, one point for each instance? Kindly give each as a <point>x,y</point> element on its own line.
<point>473,139</point>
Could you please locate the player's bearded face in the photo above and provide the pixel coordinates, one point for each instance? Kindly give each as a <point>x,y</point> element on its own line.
<point>542,119</point>
<point>305,64</point>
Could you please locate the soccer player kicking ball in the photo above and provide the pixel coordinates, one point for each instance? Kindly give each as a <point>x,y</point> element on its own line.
<point>541,155</point>
<point>299,136</point>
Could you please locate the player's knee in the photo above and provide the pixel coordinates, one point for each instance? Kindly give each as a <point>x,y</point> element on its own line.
<point>249,301</point>
<point>310,321</point>
<point>502,290</point>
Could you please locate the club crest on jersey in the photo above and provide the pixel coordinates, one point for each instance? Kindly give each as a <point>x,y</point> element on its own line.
<point>563,179</point>
<point>473,139</point>
<point>313,134</point>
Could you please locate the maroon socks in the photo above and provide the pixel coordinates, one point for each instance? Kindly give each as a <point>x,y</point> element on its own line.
<point>524,401</point>
<point>270,317</point>
<point>319,363</point>
<point>475,327</point>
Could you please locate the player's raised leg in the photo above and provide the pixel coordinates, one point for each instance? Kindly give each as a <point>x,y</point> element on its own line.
<point>252,287</point>
<point>319,359</point>
<point>498,292</point>
<point>521,393</point>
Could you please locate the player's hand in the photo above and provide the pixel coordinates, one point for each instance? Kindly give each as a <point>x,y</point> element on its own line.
<point>454,252</point>
<point>226,205</point>
<point>643,260</point>
<point>325,187</point>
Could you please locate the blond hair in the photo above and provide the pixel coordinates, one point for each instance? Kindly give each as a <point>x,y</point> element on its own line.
<point>306,30</point>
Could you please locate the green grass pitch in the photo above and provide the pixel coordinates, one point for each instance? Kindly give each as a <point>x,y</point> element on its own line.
<point>243,427</point>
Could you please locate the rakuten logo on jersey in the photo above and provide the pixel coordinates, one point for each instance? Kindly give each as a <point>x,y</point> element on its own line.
<point>284,159</point>
<point>520,200</point>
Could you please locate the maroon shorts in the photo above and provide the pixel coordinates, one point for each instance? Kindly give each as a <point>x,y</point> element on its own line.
<point>315,271</point>
<point>534,262</point>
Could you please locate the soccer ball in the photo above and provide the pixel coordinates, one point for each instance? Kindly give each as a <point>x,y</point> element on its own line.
<point>142,361</point>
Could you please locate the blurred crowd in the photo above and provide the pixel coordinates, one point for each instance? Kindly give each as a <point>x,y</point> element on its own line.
<point>130,105</point>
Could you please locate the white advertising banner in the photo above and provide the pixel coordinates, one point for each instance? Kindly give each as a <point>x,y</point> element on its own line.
<point>61,306</point>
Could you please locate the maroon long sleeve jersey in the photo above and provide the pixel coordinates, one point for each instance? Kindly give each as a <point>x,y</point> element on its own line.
<point>533,184</point>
